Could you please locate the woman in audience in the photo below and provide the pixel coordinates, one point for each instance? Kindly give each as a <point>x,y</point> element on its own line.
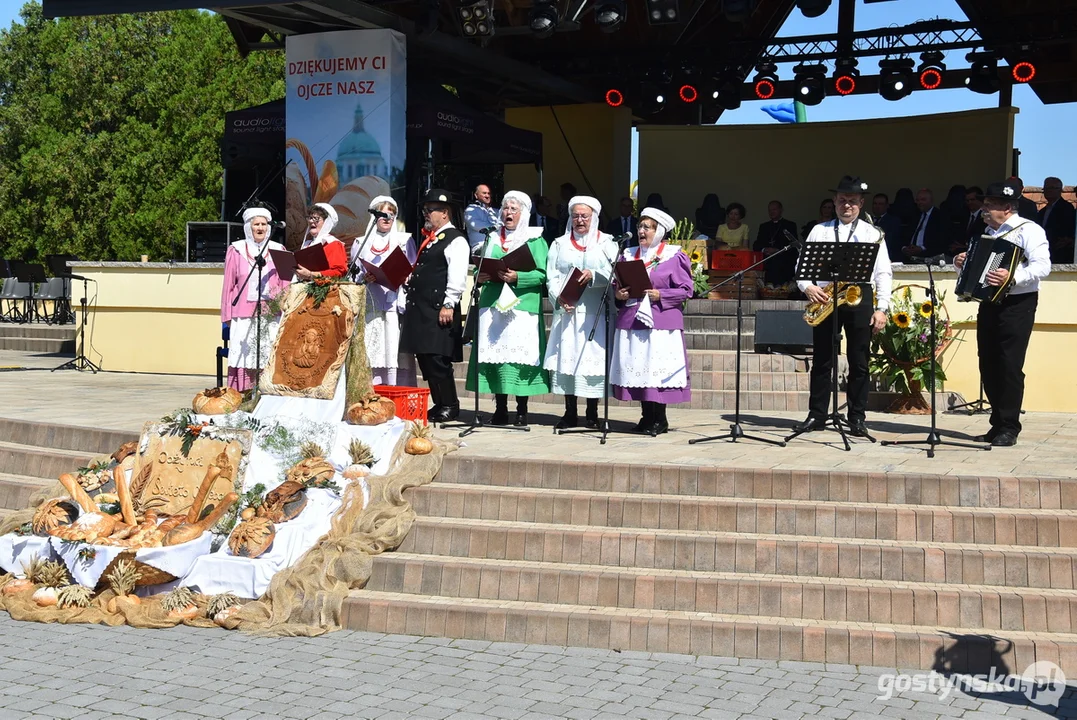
<point>734,234</point>
<point>650,363</point>
<point>826,214</point>
<point>710,215</point>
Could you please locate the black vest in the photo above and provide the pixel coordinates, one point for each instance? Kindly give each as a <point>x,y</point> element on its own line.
<point>420,332</point>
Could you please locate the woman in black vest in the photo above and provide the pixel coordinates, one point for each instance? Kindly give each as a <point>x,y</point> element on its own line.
<point>431,325</point>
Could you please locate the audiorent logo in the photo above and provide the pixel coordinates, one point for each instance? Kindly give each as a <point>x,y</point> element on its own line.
<point>1042,683</point>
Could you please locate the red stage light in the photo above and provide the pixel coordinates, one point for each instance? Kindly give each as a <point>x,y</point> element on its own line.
<point>845,84</point>
<point>688,93</point>
<point>1024,71</point>
<point>615,98</point>
<point>930,79</point>
<point>764,89</point>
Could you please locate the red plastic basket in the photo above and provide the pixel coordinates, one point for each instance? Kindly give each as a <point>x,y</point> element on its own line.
<point>411,402</point>
<point>734,259</point>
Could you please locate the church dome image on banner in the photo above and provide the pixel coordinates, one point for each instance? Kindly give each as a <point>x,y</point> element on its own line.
<point>359,153</point>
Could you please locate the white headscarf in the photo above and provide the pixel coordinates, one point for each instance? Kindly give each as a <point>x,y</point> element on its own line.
<point>516,236</point>
<point>596,208</point>
<point>327,226</point>
<point>666,223</point>
<point>252,248</point>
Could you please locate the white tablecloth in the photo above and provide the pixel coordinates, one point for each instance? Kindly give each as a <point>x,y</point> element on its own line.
<point>16,551</point>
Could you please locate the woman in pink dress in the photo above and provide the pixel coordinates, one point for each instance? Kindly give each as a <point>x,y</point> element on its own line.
<point>239,301</point>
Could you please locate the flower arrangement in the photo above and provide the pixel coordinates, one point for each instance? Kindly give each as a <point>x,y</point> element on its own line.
<point>319,288</point>
<point>700,278</point>
<point>682,232</point>
<point>901,353</point>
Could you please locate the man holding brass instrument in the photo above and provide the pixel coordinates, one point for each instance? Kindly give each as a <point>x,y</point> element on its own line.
<point>863,312</point>
<point>1003,328</point>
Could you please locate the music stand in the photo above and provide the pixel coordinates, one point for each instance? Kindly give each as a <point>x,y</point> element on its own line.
<point>933,439</point>
<point>836,262</point>
<point>978,406</point>
<point>62,312</point>
<point>32,274</point>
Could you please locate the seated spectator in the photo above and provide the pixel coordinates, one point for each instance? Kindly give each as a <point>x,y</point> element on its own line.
<point>888,222</point>
<point>654,200</point>
<point>710,215</point>
<point>975,225</point>
<point>544,217</point>
<point>625,222</point>
<point>1026,208</point>
<point>771,238</point>
<point>826,214</point>
<point>955,216</point>
<point>1057,220</point>
<point>734,235</point>
<point>904,207</point>
<point>929,234</point>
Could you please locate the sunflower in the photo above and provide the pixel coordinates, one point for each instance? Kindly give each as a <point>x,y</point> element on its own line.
<point>901,319</point>
<point>696,256</point>
<point>926,309</point>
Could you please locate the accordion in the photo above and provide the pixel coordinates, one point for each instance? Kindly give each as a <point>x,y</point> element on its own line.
<point>984,255</point>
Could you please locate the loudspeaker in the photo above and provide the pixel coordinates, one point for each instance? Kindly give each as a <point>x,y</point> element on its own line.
<point>207,242</point>
<point>782,331</point>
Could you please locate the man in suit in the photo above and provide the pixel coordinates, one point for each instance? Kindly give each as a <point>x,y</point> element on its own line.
<point>626,222</point>
<point>929,236</point>
<point>890,224</point>
<point>1057,220</point>
<point>772,238</point>
<point>543,217</point>
<point>1025,207</point>
<point>975,226</point>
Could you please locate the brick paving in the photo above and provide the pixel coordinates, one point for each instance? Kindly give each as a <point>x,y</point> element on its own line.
<point>89,672</point>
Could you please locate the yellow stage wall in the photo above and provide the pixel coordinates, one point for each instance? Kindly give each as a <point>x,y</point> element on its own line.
<point>601,138</point>
<point>161,318</point>
<point>754,164</point>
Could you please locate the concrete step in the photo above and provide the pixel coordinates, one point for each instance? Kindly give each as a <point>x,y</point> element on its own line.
<point>63,437</point>
<point>44,346</point>
<point>971,607</point>
<point>38,462</point>
<point>16,490</point>
<point>889,645</point>
<point>752,553</point>
<point>804,518</point>
<point>726,361</point>
<point>38,330</point>
<point>697,306</point>
<point>876,488</point>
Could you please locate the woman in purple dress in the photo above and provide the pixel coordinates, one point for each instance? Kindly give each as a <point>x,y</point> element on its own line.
<point>650,363</point>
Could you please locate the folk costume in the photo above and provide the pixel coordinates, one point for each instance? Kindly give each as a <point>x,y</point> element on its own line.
<point>385,307</point>
<point>1003,329</point>
<point>578,366</point>
<point>650,362</point>
<point>335,252</point>
<point>243,357</point>
<point>856,321</point>
<point>511,342</point>
<point>437,283</point>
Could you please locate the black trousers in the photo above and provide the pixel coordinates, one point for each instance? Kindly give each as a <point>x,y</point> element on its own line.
<point>1002,334</point>
<point>438,373</point>
<point>856,322</point>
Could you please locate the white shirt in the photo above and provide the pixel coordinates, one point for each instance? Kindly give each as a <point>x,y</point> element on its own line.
<point>479,217</point>
<point>1031,238</point>
<point>456,255</point>
<point>882,278</point>
<point>921,228</point>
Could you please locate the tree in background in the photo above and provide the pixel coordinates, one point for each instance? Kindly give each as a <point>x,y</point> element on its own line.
<point>109,129</point>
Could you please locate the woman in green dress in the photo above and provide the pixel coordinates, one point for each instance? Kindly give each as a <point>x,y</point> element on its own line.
<point>511,337</point>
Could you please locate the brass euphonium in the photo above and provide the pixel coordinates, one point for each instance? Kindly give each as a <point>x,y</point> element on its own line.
<point>848,294</point>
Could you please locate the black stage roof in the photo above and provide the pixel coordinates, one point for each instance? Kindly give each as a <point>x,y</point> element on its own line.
<point>580,62</point>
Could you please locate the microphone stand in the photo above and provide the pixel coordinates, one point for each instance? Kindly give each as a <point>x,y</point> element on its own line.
<point>933,439</point>
<point>736,432</point>
<point>353,269</point>
<point>259,263</point>
<point>604,313</point>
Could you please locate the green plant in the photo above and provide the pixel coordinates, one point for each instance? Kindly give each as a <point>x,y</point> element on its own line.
<point>319,289</point>
<point>901,352</point>
<point>683,231</point>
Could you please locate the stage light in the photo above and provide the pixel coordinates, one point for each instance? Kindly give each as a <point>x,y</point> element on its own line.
<point>810,83</point>
<point>845,75</point>
<point>895,78</point>
<point>663,12</point>
<point>765,83</point>
<point>983,73</point>
<point>722,92</point>
<point>1023,71</point>
<point>610,14</point>
<point>688,93</point>
<point>543,18</point>
<point>654,97</point>
<point>931,69</point>
<point>615,98</point>
<point>475,18</point>
<point>813,8</point>
<point>737,11</point>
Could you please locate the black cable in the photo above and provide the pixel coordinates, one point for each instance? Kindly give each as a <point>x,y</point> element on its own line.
<point>571,151</point>
<point>89,340</point>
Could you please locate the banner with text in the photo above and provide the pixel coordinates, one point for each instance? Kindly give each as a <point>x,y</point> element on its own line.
<point>346,115</point>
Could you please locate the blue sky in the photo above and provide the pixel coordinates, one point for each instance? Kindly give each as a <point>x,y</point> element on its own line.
<point>1044,133</point>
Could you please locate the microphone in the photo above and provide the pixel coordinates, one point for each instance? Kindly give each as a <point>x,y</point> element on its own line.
<point>379,214</point>
<point>793,240</point>
<point>936,260</point>
<point>622,239</point>
<point>487,230</point>
<point>279,224</point>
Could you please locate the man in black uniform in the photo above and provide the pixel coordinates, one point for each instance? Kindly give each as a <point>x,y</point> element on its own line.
<point>431,325</point>
<point>772,238</point>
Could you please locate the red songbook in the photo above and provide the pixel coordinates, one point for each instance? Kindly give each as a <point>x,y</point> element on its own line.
<point>313,258</point>
<point>573,290</point>
<point>284,262</point>
<point>520,260</point>
<point>392,272</point>
<point>632,274</point>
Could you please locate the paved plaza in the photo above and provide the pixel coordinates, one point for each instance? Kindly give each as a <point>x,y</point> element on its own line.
<point>90,672</point>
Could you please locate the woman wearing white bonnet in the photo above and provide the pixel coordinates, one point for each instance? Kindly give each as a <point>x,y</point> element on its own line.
<point>578,366</point>
<point>321,218</point>
<point>511,338</point>
<point>385,306</point>
<point>650,363</point>
<point>239,282</point>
